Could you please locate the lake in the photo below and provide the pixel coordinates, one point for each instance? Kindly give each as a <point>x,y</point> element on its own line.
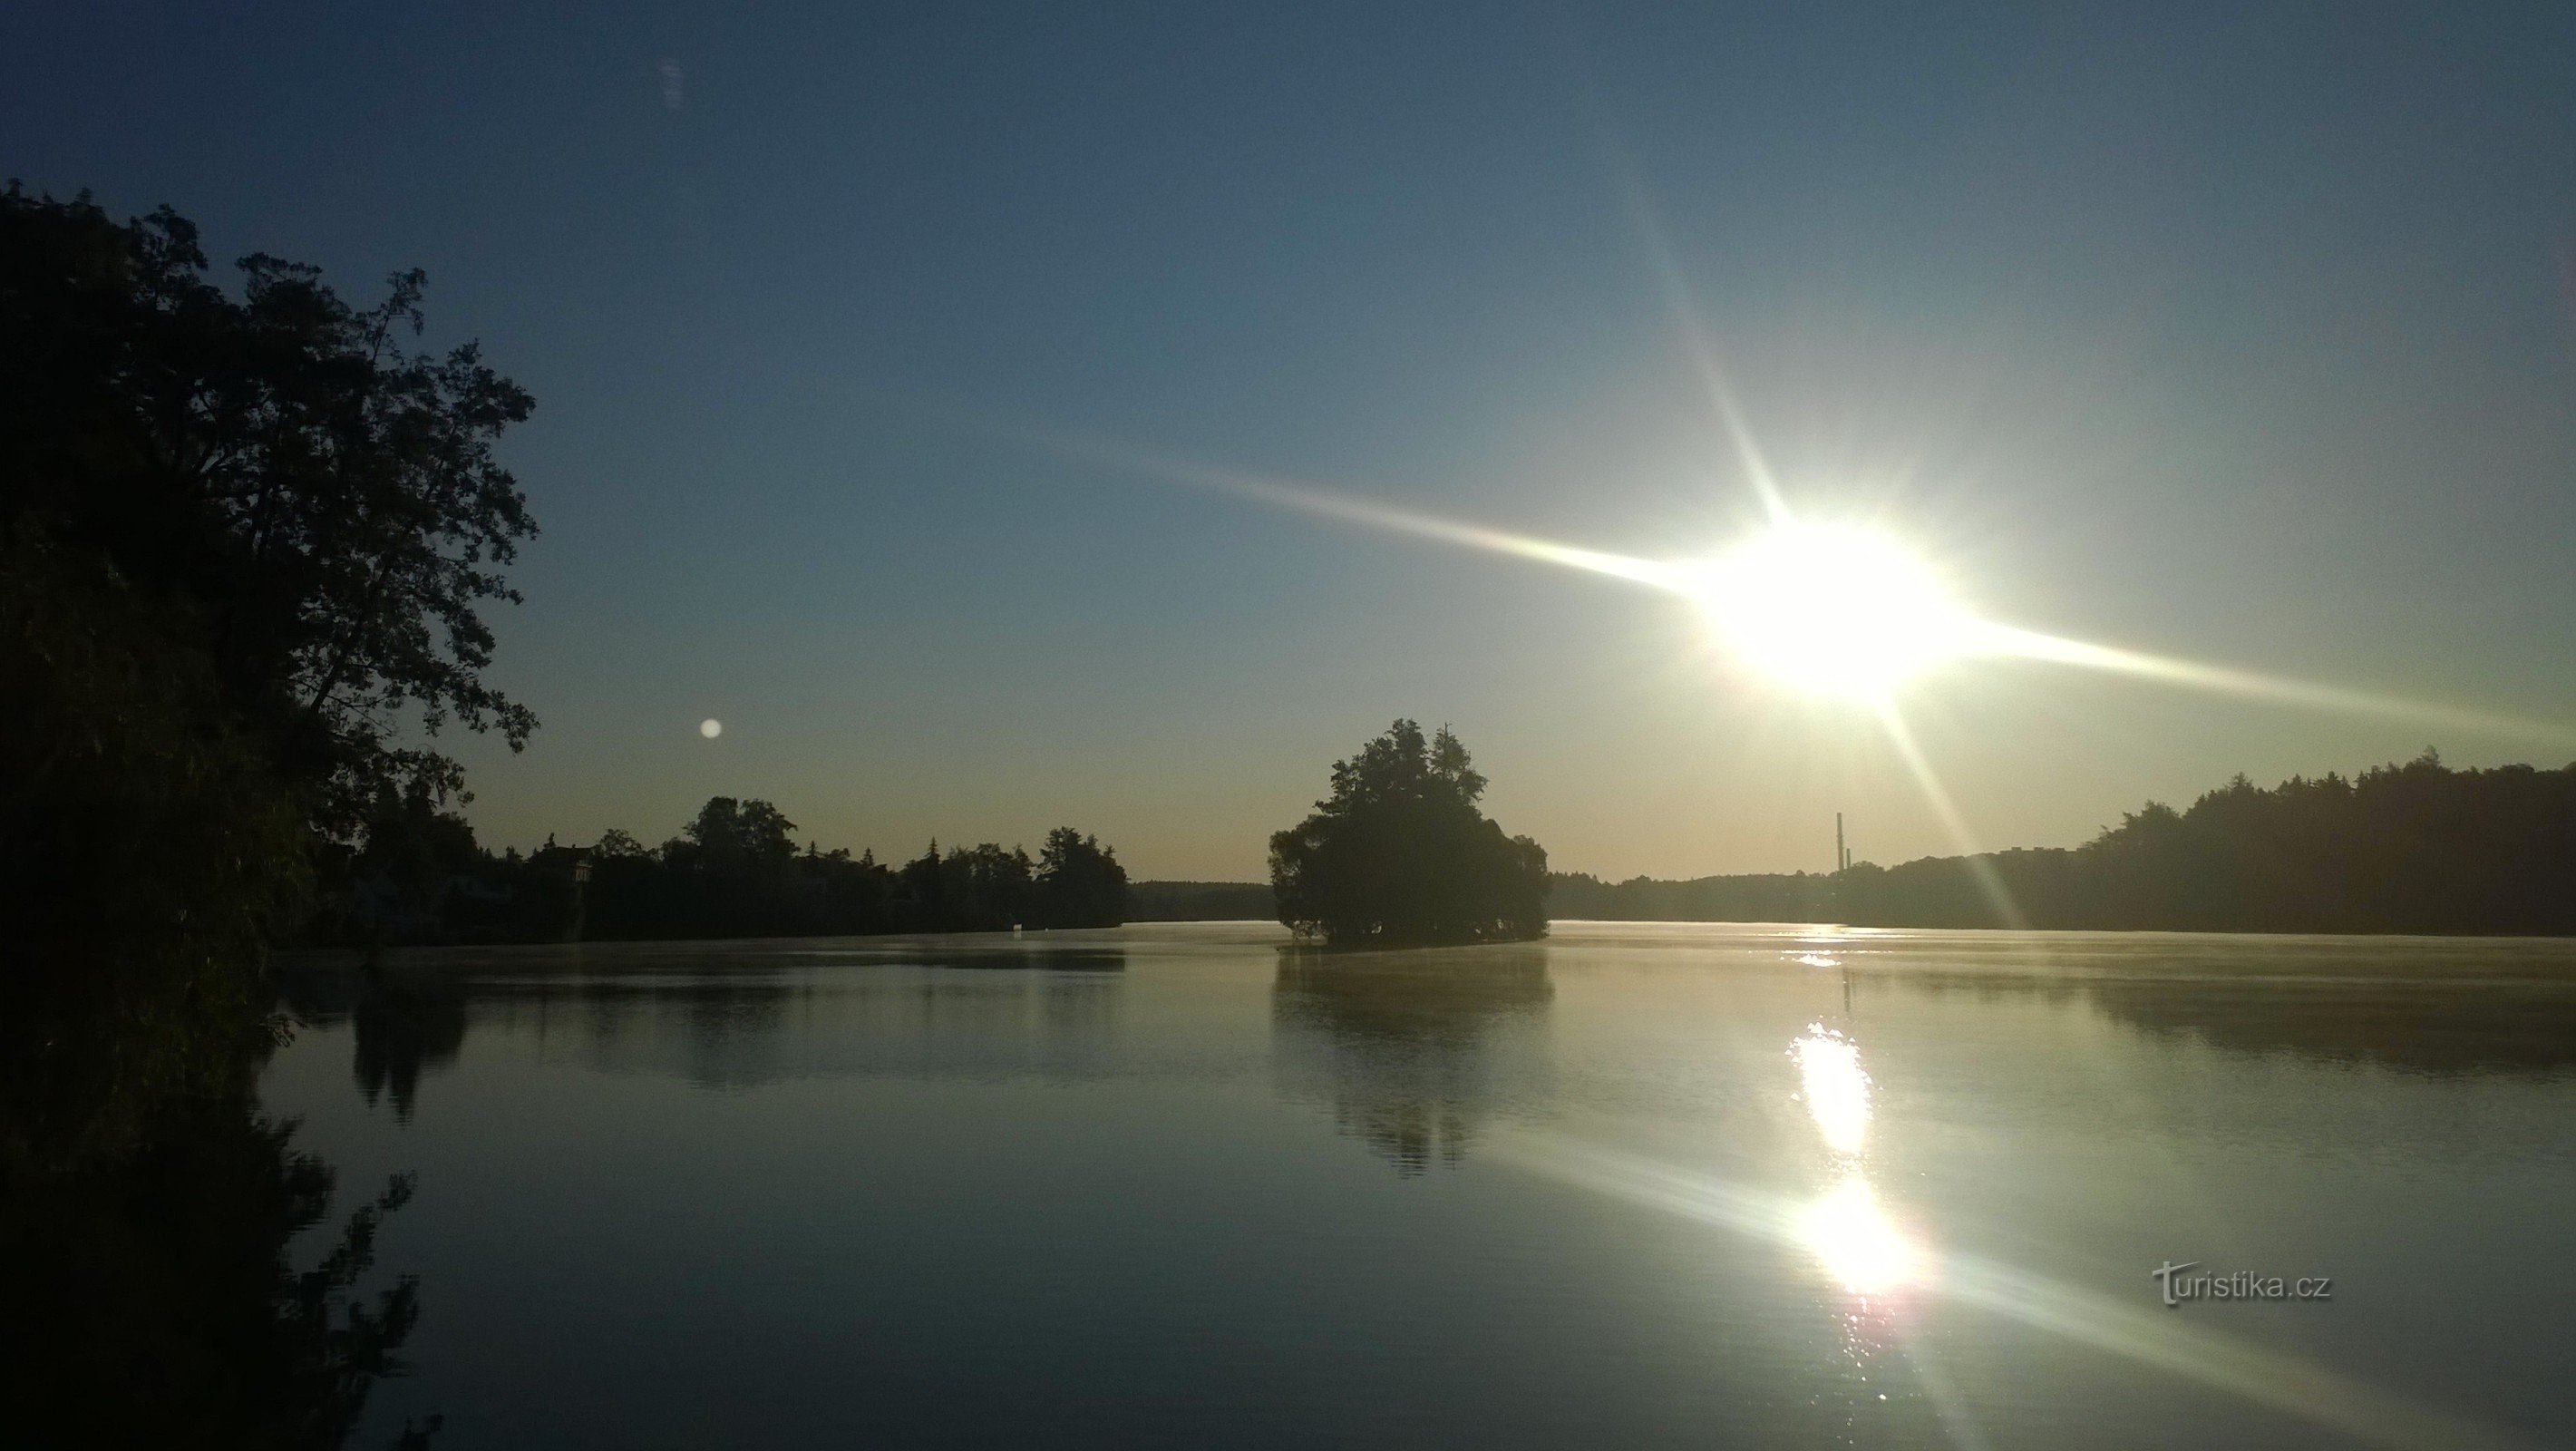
<point>1638,1185</point>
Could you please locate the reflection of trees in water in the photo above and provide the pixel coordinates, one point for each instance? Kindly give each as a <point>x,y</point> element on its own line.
<point>2433,1030</point>
<point>748,1014</point>
<point>2431,1024</point>
<point>403,1025</point>
<point>156,1303</point>
<point>733,1030</point>
<point>1401,1043</point>
<point>401,1031</point>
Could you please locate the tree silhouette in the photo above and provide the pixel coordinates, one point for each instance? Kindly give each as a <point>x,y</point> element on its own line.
<point>1400,855</point>
<point>734,870</point>
<point>315,507</point>
<point>2410,847</point>
<point>1079,882</point>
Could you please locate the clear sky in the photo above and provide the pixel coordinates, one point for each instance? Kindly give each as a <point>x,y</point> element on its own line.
<point>2244,333</point>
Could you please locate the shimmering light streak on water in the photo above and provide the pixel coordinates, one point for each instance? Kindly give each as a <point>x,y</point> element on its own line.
<point>1833,1087</point>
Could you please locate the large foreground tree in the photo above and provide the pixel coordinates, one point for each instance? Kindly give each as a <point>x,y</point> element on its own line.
<point>307,502</point>
<point>243,542</point>
<point>246,536</point>
<point>1399,854</point>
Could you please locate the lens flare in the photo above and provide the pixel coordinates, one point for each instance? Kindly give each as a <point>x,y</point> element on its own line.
<point>1833,609</point>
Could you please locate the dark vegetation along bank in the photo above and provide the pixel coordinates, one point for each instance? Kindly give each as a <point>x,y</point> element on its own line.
<point>2411,848</point>
<point>733,871</point>
<point>2417,847</point>
<point>1201,902</point>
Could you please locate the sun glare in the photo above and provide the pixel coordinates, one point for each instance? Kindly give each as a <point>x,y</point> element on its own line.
<point>1835,1088</point>
<point>1833,610</point>
<point>1859,1244</point>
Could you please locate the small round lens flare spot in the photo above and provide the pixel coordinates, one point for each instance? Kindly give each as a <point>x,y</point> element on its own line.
<point>1833,610</point>
<point>711,728</point>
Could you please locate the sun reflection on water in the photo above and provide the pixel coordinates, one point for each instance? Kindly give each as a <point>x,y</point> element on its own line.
<point>1859,1244</point>
<point>1847,1229</point>
<point>1834,1087</point>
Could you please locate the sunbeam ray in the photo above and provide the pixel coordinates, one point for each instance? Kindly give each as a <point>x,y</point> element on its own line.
<point>1329,504</point>
<point>1989,881</point>
<point>2008,640</point>
<point>1693,579</point>
<point>1647,220</point>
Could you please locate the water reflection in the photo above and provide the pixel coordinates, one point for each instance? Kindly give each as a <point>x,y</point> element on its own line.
<point>1086,1169</point>
<point>1405,1046</point>
<point>2431,1008</point>
<point>1833,1087</point>
<point>205,1286</point>
<point>1853,1237</point>
<point>400,1032</point>
<point>1846,1228</point>
<point>403,1026</point>
<point>728,1016</point>
<point>1860,1246</point>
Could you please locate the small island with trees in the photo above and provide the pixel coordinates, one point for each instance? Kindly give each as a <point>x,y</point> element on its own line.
<point>1399,855</point>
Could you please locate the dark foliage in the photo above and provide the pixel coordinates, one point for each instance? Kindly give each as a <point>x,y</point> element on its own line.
<point>1765,897</point>
<point>2417,847</point>
<point>243,543</point>
<point>1399,854</point>
<point>146,855</point>
<point>733,871</point>
<point>1201,902</point>
<point>157,1304</point>
<point>1078,883</point>
<point>307,505</point>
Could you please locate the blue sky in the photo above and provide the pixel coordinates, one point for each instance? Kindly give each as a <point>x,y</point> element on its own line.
<point>2241,334</point>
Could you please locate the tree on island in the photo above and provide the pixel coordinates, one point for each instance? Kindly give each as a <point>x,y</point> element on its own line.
<point>1079,882</point>
<point>1399,855</point>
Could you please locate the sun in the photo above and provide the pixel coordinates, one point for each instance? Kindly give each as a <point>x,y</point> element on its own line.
<point>1833,610</point>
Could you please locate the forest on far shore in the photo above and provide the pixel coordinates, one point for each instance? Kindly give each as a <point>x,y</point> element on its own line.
<point>2416,847</point>
<point>733,871</point>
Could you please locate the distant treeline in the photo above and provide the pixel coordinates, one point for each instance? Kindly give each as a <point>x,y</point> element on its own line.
<point>733,871</point>
<point>2417,847</point>
<point>1201,902</point>
<point>1767,897</point>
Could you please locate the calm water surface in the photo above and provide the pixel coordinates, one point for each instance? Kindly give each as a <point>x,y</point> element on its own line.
<point>1640,1185</point>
